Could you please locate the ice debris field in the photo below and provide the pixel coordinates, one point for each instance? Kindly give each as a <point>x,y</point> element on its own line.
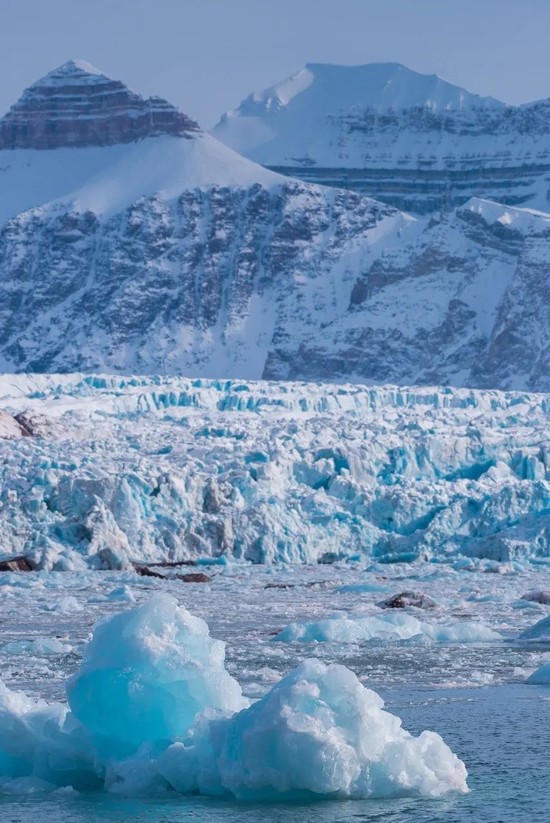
<point>371,621</point>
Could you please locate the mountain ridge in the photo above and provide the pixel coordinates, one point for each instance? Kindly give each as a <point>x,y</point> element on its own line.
<point>414,141</point>
<point>173,254</point>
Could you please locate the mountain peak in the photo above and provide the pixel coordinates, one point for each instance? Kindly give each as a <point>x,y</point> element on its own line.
<point>324,114</point>
<point>330,88</point>
<point>76,105</point>
<point>75,71</point>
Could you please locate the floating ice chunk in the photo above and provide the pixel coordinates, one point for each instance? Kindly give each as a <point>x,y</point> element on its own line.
<point>65,605</point>
<point>24,725</point>
<point>541,677</point>
<point>540,631</point>
<point>155,708</point>
<point>390,627</point>
<point>41,744</point>
<point>147,674</point>
<point>40,646</point>
<point>122,594</point>
<point>320,732</point>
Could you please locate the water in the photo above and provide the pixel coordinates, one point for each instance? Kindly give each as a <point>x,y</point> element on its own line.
<point>474,695</point>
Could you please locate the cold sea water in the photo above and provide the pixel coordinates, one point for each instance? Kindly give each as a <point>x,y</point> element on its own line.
<point>474,694</point>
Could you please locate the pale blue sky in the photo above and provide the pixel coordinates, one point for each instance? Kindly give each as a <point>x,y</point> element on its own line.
<point>206,55</point>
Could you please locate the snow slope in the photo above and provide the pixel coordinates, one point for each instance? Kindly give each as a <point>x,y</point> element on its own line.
<point>149,469</point>
<point>412,140</point>
<point>173,254</point>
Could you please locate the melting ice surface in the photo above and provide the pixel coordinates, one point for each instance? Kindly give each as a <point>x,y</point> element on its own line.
<point>153,707</point>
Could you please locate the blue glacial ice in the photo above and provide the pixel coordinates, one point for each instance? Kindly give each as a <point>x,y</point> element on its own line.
<point>539,633</point>
<point>146,675</point>
<point>154,709</point>
<point>164,469</point>
<point>540,677</point>
<point>385,627</point>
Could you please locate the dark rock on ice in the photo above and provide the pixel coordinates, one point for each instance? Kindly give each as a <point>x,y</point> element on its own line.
<point>542,597</point>
<point>406,599</point>
<point>16,564</point>
<point>194,577</point>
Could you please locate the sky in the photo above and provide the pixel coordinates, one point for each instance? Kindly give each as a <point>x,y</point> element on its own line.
<point>205,56</point>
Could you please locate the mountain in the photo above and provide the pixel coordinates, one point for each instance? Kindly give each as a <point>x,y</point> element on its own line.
<point>465,301</point>
<point>163,251</point>
<point>76,105</point>
<point>411,140</point>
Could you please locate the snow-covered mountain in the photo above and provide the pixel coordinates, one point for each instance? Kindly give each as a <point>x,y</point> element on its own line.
<point>412,140</point>
<point>142,244</point>
<point>76,105</point>
<point>167,253</point>
<point>464,301</point>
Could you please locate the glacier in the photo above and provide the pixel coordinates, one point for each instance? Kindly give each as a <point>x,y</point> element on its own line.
<point>139,469</point>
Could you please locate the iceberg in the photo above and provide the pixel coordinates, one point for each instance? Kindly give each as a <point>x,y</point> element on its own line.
<point>154,708</point>
<point>540,632</point>
<point>147,674</point>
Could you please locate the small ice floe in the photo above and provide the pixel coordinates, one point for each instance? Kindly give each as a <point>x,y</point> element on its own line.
<point>389,627</point>
<point>153,708</point>
<point>65,605</point>
<point>540,632</point>
<point>541,677</point>
<point>122,594</point>
<point>39,646</point>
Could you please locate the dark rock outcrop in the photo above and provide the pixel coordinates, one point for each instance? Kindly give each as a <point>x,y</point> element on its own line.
<point>16,564</point>
<point>406,599</point>
<point>77,106</point>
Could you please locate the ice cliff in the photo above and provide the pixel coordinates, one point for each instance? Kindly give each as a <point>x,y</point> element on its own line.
<point>140,469</point>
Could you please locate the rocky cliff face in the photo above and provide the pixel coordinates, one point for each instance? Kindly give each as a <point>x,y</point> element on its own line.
<point>75,106</point>
<point>172,254</point>
<point>465,302</point>
<point>411,140</point>
<point>197,285</point>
